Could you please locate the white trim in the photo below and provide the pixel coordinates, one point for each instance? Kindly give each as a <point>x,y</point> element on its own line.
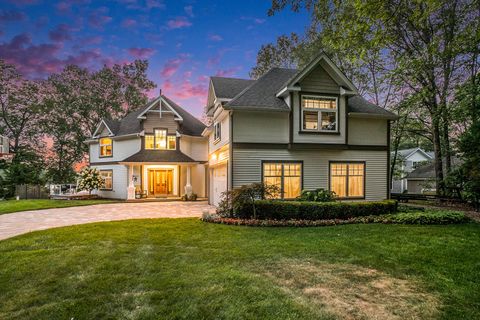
<point>330,63</point>
<point>284,92</point>
<point>98,127</point>
<point>319,112</point>
<point>142,115</point>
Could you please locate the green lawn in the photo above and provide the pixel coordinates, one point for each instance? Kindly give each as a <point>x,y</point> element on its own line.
<point>187,269</point>
<point>9,206</point>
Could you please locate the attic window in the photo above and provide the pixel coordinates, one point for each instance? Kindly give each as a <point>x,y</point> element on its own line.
<point>106,148</point>
<point>319,113</point>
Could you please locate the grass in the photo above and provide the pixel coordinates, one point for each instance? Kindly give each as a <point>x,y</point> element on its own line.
<point>187,269</point>
<point>9,206</point>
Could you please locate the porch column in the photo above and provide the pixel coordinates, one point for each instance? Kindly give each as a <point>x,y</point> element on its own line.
<point>188,186</point>
<point>131,187</point>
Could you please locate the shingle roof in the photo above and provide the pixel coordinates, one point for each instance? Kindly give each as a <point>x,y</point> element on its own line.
<point>261,95</point>
<point>227,88</point>
<point>130,124</point>
<point>426,171</point>
<point>159,156</point>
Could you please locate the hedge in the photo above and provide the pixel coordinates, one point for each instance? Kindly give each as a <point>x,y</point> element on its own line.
<point>288,210</point>
<point>429,217</point>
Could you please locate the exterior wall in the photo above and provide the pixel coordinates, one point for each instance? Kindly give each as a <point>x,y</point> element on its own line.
<point>121,150</point>
<point>367,132</point>
<point>261,127</point>
<point>224,119</point>
<point>247,167</point>
<point>154,121</point>
<point>197,179</point>
<point>194,147</point>
<point>333,138</point>
<point>119,180</point>
<point>318,80</point>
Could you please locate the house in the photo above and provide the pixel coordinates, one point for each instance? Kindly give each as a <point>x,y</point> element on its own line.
<point>408,160</point>
<point>422,178</point>
<point>5,149</point>
<point>297,129</point>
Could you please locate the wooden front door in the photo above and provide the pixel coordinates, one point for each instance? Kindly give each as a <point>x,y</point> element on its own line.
<point>160,182</point>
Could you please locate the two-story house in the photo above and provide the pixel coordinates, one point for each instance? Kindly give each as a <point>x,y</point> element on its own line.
<point>297,129</point>
<point>407,161</point>
<point>156,151</point>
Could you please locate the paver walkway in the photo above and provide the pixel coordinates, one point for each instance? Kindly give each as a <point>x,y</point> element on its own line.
<point>12,224</point>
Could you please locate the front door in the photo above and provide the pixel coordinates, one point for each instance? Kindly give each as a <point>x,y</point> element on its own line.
<point>160,182</point>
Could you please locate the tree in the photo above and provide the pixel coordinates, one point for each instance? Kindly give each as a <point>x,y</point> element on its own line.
<point>89,179</point>
<point>421,46</point>
<point>76,99</point>
<point>20,112</point>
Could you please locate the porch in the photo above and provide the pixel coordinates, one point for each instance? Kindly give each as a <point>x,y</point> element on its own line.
<point>165,181</point>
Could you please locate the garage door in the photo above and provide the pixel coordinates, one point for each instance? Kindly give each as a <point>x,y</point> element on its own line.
<point>219,183</point>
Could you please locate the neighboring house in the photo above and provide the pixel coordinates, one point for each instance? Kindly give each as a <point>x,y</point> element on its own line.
<point>407,161</point>
<point>5,149</point>
<point>422,178</point>
<point>297,129</point>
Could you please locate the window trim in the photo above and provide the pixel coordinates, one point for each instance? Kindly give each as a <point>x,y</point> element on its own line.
<point>111,172</point>
<point>100,147</point>
<point>217,137</point>
<point>155,140</point>
<point>319,112</point>
<point>348,162</point>
<point>283,176</point>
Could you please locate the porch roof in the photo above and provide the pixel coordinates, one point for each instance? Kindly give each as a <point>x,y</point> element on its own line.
<point>160,156</point>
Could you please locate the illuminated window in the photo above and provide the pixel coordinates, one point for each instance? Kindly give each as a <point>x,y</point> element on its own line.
<point>172,142</point>
<point>160,139</point>
<point>347,180</point>
<point>287,176</point>
<point>316,108</point>
<point>106,147</point>
<point>107,176</point>
<point>149,142</point>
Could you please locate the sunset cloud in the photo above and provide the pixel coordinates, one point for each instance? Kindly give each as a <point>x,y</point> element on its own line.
<point>60,33</point>
<point>178,22</point>
<point>141,53</point>
<point>228,72</point>
<point>172,66</point>
<point>215,37</point>
<point>98,18</point>
<point>128,23</point>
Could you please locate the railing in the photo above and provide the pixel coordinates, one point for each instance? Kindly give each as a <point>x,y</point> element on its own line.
<point>62,189</point>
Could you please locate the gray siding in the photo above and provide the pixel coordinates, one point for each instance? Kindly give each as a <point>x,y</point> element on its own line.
<point>261,127</point>
<point>154,121</point>
<point>122,149</point>
<point>247,167</point>
<point>367,131</point>
<point>120,181</point>
<point>319,81</point>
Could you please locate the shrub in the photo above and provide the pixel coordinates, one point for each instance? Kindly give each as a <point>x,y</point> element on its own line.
<point>286,210</point>
<point>89,179</point>
<point>429,217</point>
<point>317,195</point>
<point>236,201</point>
<point>191,197</point>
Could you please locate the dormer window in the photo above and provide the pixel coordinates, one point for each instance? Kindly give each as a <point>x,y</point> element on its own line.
<point>106,148</point>
<point>217,132</point>
<point>160,140</point>
<point>319,113</point>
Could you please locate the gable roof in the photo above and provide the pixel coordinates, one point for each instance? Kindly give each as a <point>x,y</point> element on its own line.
<point>131,123</point>
<point>261,95</point>
<point>159,156</point>
<point>227,88</point>
<point>405,153</point>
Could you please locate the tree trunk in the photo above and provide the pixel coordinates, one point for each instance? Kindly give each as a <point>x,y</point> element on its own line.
<point>438,157</point>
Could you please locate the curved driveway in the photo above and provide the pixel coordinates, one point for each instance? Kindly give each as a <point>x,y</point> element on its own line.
<point>13,224</point>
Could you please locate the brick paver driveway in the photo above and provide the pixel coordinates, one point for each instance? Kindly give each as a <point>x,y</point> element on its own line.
<point>12,224</point>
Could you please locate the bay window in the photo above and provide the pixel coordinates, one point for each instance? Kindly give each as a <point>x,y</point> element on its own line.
<point>287,176</point>
<point>319,113</point>
<point>160,140</point>
<point>106,149</point>
<point>347,179</point>
<point>107,176</point>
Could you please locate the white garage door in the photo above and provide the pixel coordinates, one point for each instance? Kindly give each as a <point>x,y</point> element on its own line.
<point>219,183</point>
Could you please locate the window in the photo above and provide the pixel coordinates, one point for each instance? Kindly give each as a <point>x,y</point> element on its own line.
<point>107,176</point>
<point>347,179</point>
<point>287,176</point>
<point>106,147</point>
<point>217,132</point>
<point>160,140</point>
<point>319,113</point>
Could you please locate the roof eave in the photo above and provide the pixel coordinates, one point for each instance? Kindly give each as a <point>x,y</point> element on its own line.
<point>372,115</point>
